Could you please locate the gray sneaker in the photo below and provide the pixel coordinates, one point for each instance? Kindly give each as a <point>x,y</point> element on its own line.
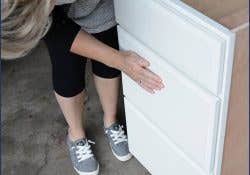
<point>118,142</point>
<point>82,158</point>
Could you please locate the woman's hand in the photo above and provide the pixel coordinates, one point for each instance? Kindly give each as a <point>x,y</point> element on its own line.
<point>136,68</point>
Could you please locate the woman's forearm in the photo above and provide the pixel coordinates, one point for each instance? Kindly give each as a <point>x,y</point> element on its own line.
<point>86,45</point>
<point>129,62</point>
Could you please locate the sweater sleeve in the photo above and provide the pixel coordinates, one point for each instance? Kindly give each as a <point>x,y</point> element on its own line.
<point>62,32</point>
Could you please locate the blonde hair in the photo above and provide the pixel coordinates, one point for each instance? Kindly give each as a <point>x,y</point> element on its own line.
<point>24,23</point>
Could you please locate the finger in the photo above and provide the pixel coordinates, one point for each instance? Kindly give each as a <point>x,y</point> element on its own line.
<point>148,89</point>
<point>146,83</point>
<point>153,84</point>
<point>148,74</point>
<point>151,80</point>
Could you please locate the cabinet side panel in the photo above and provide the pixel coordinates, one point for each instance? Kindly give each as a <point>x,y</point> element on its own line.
<point>235,158</point>
<point>217,9</point>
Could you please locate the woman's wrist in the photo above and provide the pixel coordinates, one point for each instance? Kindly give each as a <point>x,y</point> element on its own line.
<point>86,45</point>
<point>118,60</point>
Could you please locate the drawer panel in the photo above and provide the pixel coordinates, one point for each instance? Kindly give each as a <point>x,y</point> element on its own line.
<point>181,100</point>
<point>193,48</point>
<point>153,149</point>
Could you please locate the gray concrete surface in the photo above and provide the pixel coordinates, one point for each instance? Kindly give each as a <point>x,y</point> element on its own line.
<point>33,127</point>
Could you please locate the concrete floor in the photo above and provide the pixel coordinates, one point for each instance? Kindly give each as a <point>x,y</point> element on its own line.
<point>33,127</point>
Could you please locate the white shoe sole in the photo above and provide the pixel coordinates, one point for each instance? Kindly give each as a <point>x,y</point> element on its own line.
<point>88,173</point>
<point>122,158</point>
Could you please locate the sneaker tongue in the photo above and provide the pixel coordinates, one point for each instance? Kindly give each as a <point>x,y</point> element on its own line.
<point>81,142</point>
<point>114,127</point>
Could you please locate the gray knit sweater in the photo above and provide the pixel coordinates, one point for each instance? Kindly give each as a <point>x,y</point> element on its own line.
<point>94,16</point>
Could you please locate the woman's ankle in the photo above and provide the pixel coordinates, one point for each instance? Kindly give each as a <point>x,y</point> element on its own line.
<point>108,121</point>
<point>76,134</point>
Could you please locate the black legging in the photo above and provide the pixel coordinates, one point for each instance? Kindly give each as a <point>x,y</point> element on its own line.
<point>68,69</point>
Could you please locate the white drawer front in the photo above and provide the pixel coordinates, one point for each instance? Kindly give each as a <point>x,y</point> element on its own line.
<point>184,112</point>
<point>191,47</point>
<point>153,149</point>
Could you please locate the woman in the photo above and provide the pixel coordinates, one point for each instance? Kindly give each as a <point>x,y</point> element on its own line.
<point>80,29</point>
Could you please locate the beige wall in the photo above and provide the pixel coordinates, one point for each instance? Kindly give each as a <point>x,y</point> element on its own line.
<point>234,15</point>
<point>235,159</point>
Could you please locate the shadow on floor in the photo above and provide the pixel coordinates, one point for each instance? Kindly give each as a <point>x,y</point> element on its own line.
<point>33,128</point>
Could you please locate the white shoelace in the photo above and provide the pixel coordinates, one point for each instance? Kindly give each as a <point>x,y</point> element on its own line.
<point>84,152</point>
<point>118,136</point>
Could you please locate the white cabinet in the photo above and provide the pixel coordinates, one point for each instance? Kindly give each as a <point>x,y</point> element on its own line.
<point>179,130</point>
<point>175,108</point>
<point>179,34</point>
